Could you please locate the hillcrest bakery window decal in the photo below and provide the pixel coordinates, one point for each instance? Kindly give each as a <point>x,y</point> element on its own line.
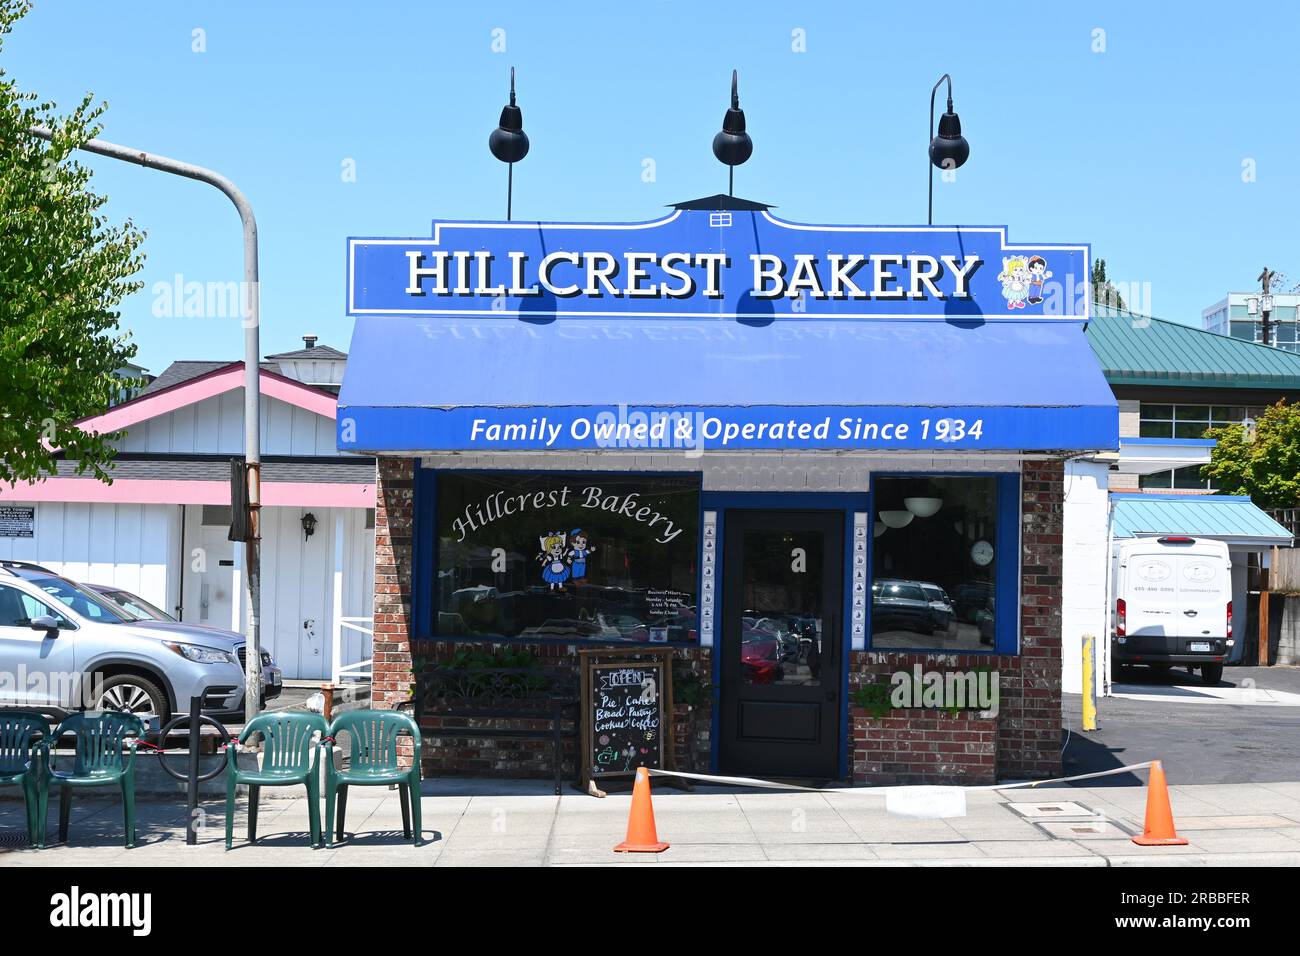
<point>580,557</point>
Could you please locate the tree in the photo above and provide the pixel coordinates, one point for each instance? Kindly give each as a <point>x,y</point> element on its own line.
<point>1262,462</point>
<point>1102,291</point>
<point>63,271</point>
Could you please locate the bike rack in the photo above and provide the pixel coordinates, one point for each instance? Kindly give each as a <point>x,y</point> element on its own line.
<point>195,719</point>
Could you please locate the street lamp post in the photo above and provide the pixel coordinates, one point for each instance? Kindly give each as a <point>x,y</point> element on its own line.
<point>252,387</point>
<point>949,149</point>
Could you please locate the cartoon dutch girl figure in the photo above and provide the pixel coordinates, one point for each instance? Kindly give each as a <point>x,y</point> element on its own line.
<point>1038,274</point>
<point>1015,281</point>
<point>578,552</point>
<point>554,571</point>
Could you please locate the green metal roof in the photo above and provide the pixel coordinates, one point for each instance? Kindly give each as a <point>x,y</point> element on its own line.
<point>1226,517</point>
<point>1138,349</point>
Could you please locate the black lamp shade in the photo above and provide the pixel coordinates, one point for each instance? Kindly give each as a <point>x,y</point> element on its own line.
<point>733,146</point>
<point>509,142</point>
<point>949,148</point>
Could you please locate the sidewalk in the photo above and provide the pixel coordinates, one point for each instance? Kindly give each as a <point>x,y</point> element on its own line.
<point>470,822</point>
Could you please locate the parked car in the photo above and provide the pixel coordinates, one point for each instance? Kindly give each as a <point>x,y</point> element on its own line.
<point>73,647</point>
<point>939,604</point>
<point>903,606</point>
<point>1173,604</point>
<point>760,656</point>
<point>141,610</point>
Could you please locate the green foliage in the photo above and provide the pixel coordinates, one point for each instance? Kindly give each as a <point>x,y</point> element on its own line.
<point>689,687</point>
<point>507,657</point>
<point>63,271</point>
<point>1263,463</point>
<point>1102,291</point>
<point>873,698</point>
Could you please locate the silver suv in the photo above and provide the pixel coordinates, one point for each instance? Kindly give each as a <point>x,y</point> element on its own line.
<point>63,647</point>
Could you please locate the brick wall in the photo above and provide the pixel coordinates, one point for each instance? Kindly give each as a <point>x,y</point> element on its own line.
<point>486,755</point>
<point>924,746</point>
<point>394,514</point>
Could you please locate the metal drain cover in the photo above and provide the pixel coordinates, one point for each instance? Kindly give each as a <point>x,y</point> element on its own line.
<point>1051,811</point>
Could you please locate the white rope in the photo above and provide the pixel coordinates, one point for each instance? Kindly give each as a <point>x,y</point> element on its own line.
<point>879,791</point>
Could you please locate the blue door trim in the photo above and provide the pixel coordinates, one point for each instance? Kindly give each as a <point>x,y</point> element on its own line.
<point>847,502</point>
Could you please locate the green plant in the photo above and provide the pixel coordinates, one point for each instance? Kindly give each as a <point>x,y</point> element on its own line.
<point>689,687</point>
<point>873,698</point>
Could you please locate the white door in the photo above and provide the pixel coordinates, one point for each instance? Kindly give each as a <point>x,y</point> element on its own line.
<point>1150,594</point>
<point>212,570</point>
<point>1204,590</point>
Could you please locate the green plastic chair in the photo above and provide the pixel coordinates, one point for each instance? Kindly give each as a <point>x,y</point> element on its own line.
<point>102,756</point>
<point>287,747</point>
<point>372,762</point>
<point>23,734</point>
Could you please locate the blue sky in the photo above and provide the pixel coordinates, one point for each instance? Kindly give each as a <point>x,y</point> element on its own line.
<point>1138,149</point>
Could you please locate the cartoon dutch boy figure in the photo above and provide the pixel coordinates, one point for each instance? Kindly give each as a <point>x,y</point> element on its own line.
<point>554,571</point>
<point>1038,274</point>
<point>578,552</point>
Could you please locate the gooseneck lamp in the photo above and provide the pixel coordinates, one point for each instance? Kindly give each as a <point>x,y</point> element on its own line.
<point>948,149</point>
<point>733,146</point>
<point>509,142</point>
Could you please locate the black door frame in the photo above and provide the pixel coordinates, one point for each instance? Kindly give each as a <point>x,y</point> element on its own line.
<point>835,520</point>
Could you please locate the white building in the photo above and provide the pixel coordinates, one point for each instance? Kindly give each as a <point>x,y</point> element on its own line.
<point>160,529</point>
<point>1240,315</point>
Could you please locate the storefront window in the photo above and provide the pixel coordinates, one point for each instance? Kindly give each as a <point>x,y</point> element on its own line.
<point>599,558</point>
<point>934,566</point>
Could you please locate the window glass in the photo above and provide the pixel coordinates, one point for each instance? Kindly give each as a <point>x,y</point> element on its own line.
<point>87,604</point>
<point>1192,413</point>
<point>1190,429</point>
<point>1165,412</point>
<point>1159,479</point>
<point>601,558</point>
<point>934,564</point>
<point>1190,477</point>
<point>19,609</point>
<point>1156,430</point>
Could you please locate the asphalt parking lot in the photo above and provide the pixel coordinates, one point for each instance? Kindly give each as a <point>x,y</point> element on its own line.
<point>1236,733</point>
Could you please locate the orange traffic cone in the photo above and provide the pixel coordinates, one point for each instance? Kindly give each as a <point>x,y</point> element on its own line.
<point>641,835</point>
<point>1158,829</point>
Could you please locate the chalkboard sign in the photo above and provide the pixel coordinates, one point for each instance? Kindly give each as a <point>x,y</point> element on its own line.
<point>627,705</point>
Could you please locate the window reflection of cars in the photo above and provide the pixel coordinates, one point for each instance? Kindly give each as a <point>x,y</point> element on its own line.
<point>939,604</point>
<point>787,640</point>
<point>760,656</point>
<point>972,597</point>
<point>902,605</point>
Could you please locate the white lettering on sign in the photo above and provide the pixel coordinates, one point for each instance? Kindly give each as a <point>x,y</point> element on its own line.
<point>567,273</point>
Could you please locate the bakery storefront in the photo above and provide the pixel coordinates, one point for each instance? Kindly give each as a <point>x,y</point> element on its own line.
<point>822,464</point>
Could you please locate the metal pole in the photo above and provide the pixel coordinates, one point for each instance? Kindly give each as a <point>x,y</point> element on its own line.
<point>929,215</point>
<point>252,386</point>
<point>1089,684</point>
<point>192,783</point>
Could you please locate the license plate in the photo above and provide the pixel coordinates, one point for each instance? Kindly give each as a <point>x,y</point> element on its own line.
<point>1199,646</point>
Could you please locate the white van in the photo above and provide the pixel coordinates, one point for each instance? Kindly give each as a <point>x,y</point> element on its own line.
<point>1173,604</point>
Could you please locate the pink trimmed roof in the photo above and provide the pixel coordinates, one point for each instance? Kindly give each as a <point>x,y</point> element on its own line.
<point>191,392</point>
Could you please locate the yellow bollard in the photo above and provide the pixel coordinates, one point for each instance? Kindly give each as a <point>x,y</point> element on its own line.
<point>1089,685</point>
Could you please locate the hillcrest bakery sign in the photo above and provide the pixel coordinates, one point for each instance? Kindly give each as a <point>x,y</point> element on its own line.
<point>710,263</point>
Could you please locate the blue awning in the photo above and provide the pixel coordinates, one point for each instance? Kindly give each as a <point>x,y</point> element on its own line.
<point>418,384</point>
<point>1234,519</point>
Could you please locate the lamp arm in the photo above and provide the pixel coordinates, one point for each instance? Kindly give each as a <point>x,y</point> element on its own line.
<point>929,216</point>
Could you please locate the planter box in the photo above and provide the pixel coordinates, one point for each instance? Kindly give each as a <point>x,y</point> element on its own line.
<point>920,745</point>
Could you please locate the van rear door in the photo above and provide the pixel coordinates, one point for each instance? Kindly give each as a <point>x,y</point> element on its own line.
<point>1151,594</point>
<point>1203,595</point>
